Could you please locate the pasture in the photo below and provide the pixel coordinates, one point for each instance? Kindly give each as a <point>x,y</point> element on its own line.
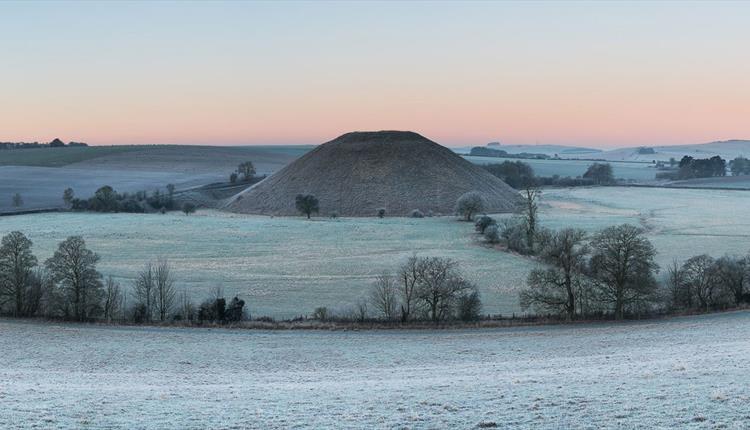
<point>639,172</point>
<point>685,372</point>
<point>287,266</point>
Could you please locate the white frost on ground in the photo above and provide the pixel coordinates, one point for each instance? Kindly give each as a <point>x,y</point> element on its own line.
<point>678,373</point>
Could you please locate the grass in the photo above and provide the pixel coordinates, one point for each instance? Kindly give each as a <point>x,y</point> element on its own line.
<point>284,267</point>
<point>57,157</point>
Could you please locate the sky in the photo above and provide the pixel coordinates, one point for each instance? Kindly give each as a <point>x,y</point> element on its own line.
<point>604,74</point>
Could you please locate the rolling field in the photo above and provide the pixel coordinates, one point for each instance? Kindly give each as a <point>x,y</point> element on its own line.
<point>284,267</point>
<point>41,175</point>
<point>677,373</point>
<point>640,172</point>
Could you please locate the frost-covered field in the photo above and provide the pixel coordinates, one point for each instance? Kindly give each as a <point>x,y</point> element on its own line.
<point>284,267</point>
<point>641,172</point>
<point>679,373</point>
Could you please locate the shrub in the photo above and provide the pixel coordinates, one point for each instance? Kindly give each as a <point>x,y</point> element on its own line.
<point>188,208</point>
<point>492,234</point>
<point>483,222</point>
<point>321,314</point>
<point>469,306</point>
<point>416,213</point>
<point>334,214</point>
<point>306,204</point>
<point>380,212</point>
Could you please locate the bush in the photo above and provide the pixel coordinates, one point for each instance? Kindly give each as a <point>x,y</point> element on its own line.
<point>321,314</point>
<point>416,213</point>
<point>380,212</point>
<point>188,208</point>
<point>492,234</point>
<point>513,232</point>
<point>334,214</point>
<point>483,222</point>
<point>469,306</point>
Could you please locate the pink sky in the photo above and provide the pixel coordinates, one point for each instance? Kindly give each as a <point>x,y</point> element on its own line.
<point>601,75</point>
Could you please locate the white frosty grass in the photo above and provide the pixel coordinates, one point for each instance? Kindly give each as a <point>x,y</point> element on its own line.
<point>284,267</point>
<point>678,373</point>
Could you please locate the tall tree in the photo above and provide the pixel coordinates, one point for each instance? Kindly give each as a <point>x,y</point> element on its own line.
<point>144,291</point>
<point>165,292</point>
<point>557,288</point>
<point>73,267</point>
<point>623,264</point>
<point>68,196</point>
<point>469,204</point>
<point>16,264</point>
<point>530,206</point>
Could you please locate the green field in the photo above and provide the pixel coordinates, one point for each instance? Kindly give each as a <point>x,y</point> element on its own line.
<point>288,266</point>
<point>57,157</point>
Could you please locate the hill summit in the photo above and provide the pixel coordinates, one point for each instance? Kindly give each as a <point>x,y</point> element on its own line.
<point>359,172</point>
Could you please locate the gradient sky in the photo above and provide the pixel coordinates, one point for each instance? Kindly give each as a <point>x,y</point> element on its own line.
<point>591,74</point>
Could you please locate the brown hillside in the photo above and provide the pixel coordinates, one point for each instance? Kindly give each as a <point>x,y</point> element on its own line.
<point>359,172</point>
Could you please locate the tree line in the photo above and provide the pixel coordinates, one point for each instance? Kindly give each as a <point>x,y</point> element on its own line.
<point>69,286</point>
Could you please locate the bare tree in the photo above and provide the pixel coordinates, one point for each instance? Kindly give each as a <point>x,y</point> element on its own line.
<point>530,206</point>
<point>247,170</point>
<point>68,196</point>
<point>73,266</point>
<point>679,291</point>
<point>112,302</point>
<point>623,264</point>
<point>384,296</point>
<point>165,292</point>
<point>439,285</point>
<point>16,264</point>
<point>732,272</point>
<point>187,308</point>
<point>409,277</point>
<point>701,276</point>
<point>144,290</point>
<point>557,289</point>
<point>17,200</point>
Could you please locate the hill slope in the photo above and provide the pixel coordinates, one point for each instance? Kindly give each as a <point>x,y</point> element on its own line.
<point>359,172</point>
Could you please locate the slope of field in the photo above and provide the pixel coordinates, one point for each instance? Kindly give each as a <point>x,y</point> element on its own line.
<point>677,373</point>
<point>41,175</point>
<point>640,172</point>
<point>284,267</point>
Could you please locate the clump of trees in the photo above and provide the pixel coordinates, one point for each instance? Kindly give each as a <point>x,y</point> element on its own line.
<point>426,288</point>
<point>612,272</point>
<point>600,174</point>
<point>690,167</point>
<point>517,174</point>
<point>703,283</point>
<point>740,166</point>
<point>245,169</point>
<point>106,199</point>
<point>69,286</point>
<point>306,204</point>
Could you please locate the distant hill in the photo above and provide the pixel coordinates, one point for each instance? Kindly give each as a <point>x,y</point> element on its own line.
<point>561,151</point>
<point>727,149</point>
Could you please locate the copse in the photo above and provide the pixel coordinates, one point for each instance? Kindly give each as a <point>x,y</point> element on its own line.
<point>247,170</point>
<point>306,204</point>
<point>188,208</point>
<point>517,174</point>
<point>600,174</point>
<point>469,204</point>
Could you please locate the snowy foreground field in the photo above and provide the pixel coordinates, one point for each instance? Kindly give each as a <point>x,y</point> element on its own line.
<point>687,372</point>
<point>284,267</point>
